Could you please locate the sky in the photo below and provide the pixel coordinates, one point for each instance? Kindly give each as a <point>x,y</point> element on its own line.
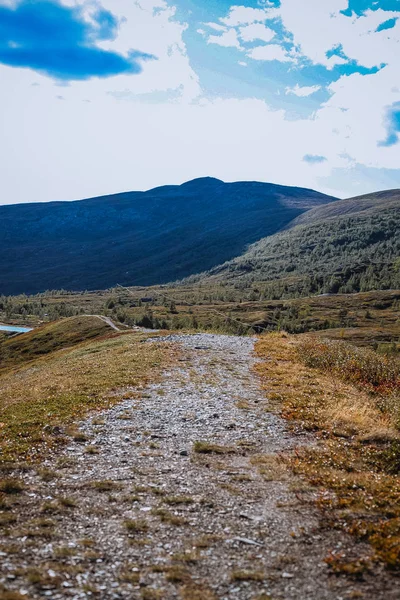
<point>99,97</point>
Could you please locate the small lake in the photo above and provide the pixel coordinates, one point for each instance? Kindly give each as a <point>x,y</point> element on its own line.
<point>14,329</point>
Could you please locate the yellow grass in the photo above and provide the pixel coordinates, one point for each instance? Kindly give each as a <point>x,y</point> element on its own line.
<point>358,454</point>
<point>38,401</point>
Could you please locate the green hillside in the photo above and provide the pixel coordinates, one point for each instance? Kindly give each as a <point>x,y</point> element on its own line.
<point>349,246</point>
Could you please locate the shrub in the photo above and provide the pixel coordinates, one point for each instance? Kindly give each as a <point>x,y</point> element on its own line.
<point>361,366</point>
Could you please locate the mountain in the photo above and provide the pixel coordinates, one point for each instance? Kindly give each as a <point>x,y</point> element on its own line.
<point>347,246</point>
<point>141,238</point>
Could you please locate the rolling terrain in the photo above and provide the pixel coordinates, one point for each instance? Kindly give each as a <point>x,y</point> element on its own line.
<point>203,466</point>
<point>196,467</point>
<point>140,238</point>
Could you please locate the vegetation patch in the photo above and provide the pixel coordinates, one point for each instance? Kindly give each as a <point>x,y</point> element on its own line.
<point>364,367</point>
<point>40,400</point>
<point>244,575</point>
<point>167,517</point>
<point>135,526</point>
<point>50,337</point>
<point>11,486</point>
<point>175,500</point>
<point>356,463</point>
<point>105,486</point>
<point>209,448</point>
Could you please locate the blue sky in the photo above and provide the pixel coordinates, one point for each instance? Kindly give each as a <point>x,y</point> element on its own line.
<point>110,95</point>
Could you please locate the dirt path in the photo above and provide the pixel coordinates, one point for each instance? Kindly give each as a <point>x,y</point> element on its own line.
<point>106,320</point>
<point>135,512</point>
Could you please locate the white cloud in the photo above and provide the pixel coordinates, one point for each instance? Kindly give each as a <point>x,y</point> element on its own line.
<point>227,39</point>
<point>256,31</point>
<point>270,52</point>
<point>243,15</point>
<point>303,91</point>
<point>149,26</point>
<point>54,150</point>
<point>216,26</point>
<point>319,26</point>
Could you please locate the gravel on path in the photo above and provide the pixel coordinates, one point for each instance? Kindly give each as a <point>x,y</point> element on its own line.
<point>138,513</point>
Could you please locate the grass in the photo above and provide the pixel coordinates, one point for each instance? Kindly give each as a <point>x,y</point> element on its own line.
<point>364,367</point>
<point>12,595</point>
<point>196,592</point>
<point>175,500</point>
<point>105,486</point>
<point>65,385</point>
<point>50,337</point>
<point>177,574</point>
<point>168,517</point>
<point>135,526</point>
<point>151,594</point>
<point>209,448</point>
<point>366,318</point>
<point>358,452</point>
<point>11,486</point>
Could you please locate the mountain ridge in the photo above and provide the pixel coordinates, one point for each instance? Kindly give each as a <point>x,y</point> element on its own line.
<point>141,238</point>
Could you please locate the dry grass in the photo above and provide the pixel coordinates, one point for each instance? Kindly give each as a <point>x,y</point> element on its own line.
<point>50,337</point>
<point>105,486</point>
<point>135,526</point>
<point>209,448</point>
<point>151,594</point>
<point>358,455</point>
<point>11,595</point>
<point>176,500</point>
<point>11,486</point>
<point>364,367</point>
<point>168,517</point>
<point>177,574</point>
<point>196,592</point>
<point>63,386</point>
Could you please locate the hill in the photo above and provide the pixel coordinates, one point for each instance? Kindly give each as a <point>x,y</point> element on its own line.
<point>141,238</point>
<point>49,338</point>
<point>349,246</point>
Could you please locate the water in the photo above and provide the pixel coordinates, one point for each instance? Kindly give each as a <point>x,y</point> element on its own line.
<point>15,329</point>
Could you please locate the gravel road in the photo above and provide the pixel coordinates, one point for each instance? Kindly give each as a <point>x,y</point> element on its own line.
<point>164,521</point>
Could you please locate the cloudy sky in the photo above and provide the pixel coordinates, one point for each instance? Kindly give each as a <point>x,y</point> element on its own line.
<point>105,96</point>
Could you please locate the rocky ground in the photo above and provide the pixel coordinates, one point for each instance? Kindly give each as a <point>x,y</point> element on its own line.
<point>180,493</point>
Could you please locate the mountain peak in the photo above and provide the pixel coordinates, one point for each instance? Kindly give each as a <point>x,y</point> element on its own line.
<point>202,182</point>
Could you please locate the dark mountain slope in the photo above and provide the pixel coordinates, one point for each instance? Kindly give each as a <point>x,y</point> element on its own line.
<point>140,238</point>
<point>349,246</point>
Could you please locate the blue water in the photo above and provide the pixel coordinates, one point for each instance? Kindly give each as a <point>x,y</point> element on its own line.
<point>15,329</point>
